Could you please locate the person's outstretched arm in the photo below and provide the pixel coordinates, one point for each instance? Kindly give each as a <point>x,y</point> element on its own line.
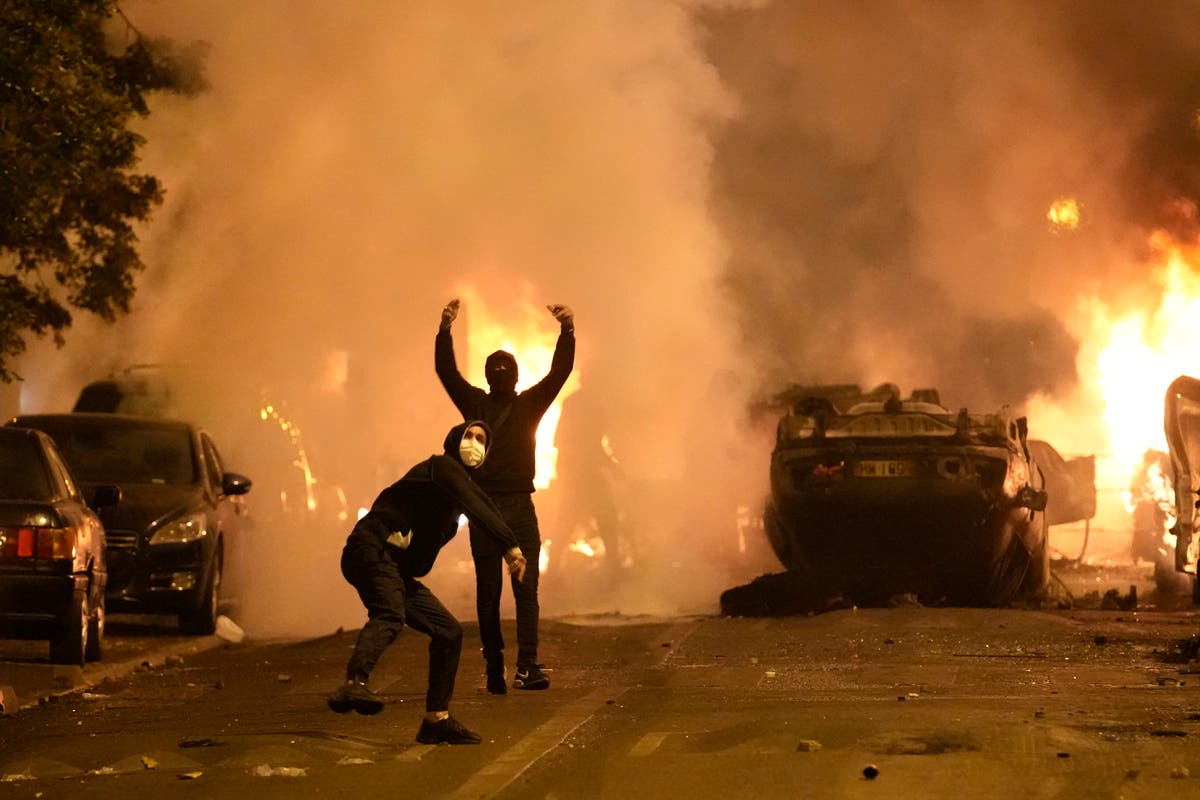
<point>452,478</point>
<point>563,361</point>
<point>446,365</point>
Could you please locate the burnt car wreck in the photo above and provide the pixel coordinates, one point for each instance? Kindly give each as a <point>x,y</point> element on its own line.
<point>874,495</point>
<point>1179,546</point>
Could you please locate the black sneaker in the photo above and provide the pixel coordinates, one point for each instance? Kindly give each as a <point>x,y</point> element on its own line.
<point>531,677</point>
<point>356,696</point>
<point>497,678</point>
<point>446,731</point>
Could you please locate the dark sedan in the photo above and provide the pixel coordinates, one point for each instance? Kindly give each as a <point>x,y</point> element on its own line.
<point>52,555</point>
<point>180,513</point>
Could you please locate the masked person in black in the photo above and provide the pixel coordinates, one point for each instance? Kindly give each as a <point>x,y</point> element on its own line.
<point>508,480</point>
<point>395,543</point>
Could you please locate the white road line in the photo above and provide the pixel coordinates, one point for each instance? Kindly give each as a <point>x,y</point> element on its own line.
<point>648,743</point>
<point>416,753</point>
<point>492,779</point>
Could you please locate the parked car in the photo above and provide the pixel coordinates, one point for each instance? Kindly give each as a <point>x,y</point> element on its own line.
<point>180,515</point>
<point>290,489</point>
<point>52,549</point>
<point>873,495</point>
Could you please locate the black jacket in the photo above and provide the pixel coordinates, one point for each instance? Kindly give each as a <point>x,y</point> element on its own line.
<point>423,508</point>
<point>514,418</point>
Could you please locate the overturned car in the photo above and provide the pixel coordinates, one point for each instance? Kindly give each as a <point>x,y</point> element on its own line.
<point>873,495</point>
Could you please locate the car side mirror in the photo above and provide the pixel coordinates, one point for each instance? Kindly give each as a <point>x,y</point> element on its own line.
<point>106,494</point>
<point>235,483</point>
<point>1033,499</point>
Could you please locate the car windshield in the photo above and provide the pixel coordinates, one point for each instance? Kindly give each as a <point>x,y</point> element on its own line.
<point>23,474</point>
<point>127,454</point>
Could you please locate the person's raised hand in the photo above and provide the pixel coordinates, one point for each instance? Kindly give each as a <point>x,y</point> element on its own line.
<point>564,314</point>
<point>450,313</point>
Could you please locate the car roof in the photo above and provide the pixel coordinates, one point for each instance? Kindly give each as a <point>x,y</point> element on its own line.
<point>79,419</point>
<point>17,432</point>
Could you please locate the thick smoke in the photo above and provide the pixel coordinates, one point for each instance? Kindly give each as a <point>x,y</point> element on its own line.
<point>356,165</point>
<point>858,189</point>
<point>885,185</point>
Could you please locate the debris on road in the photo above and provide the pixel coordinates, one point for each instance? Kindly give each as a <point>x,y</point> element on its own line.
<point>870,772</point>
<point>205,742</point>
<point>229,630</point>
<point>267,771</point>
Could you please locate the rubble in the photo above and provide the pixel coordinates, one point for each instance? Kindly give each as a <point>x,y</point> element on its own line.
<point>229,630</point>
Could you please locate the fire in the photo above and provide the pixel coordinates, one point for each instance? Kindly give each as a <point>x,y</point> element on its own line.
<point>1126,362</point>
<point>529,333</point>
<point>1064,213</point>
<point>1145,351</point>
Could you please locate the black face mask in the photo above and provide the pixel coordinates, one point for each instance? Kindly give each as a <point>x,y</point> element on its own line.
<point>500,369</point>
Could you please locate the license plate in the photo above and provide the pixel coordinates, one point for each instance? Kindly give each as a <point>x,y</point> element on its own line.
<point>885,469</point>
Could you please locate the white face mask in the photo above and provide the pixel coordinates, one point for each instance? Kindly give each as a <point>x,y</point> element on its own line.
<point>471,451</point>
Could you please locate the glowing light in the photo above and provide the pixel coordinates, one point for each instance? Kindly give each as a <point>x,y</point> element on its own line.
<point>1064,213</point>
<point>1145,351</point>
<point>269,413</point>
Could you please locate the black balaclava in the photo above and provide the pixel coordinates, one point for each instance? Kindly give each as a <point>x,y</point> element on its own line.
<point>455,436</point>
<point>500,369</point>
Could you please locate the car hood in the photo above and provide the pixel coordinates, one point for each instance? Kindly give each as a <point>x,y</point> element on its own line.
<point>145,504</point>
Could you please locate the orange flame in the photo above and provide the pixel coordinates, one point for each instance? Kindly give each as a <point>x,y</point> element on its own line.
<point>1126,362</point>
<point>1064,213</point>
<point>1145,351</point>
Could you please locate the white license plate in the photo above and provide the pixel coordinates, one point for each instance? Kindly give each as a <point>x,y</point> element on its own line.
<point>885,469</point>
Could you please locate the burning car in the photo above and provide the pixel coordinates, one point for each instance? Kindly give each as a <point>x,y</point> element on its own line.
<point>873,495</point>
<point>1181,423</point>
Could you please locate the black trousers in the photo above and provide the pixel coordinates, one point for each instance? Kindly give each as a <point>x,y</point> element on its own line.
<point>392,600</point>
<point>488,554</point>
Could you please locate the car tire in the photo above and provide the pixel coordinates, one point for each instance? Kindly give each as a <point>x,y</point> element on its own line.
<point>94,648</point>
<point>202,620</point>
<point>1008,574</point>
<point>1037,575</point>
<point>69,645</point>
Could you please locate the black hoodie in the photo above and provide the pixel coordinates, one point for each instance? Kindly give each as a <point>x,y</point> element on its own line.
<point>514,415</point>
<point>424,506</point>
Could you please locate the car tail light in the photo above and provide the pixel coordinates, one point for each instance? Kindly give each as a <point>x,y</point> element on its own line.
<point>42,543</point>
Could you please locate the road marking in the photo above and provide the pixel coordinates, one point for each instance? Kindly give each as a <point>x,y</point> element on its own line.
<point>416,753</point>
<point>648,743</point>
<point>494,778</point>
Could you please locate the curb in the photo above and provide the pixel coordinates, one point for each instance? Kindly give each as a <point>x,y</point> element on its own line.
<point>91,676</point>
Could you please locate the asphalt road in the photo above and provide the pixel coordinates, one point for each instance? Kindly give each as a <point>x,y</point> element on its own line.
<point>939,702</point>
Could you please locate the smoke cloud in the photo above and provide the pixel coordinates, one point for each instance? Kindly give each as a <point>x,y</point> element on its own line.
<point>356,165</point>
<point>733,197</point>
<point>885,185</point>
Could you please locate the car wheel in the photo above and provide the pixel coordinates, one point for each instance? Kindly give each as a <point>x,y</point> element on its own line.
<point>94,648</point>
<point>1008,574</point>
<point>1037,576</point>
<point>69,645</point>
<point>202,620</point>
